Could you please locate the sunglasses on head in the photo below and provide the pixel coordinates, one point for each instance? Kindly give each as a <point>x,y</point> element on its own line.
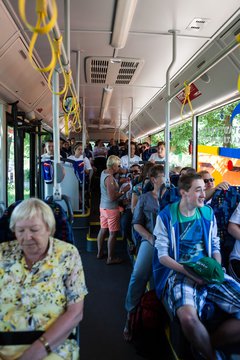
<point>208,180</point>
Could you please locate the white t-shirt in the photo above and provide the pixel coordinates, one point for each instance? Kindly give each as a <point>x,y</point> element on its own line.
<point>154,157</point>
<point>86,161</point>
<point>235,219</point>
<point>133,160</point>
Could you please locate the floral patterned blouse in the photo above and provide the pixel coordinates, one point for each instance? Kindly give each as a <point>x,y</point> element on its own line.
<point>34,299</point>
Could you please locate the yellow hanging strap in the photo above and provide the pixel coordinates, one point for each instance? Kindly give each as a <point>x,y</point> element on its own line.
<point>41,10</point>
<point>238,84</point>
<point>57,43</point>
<point>66,124</point>
<point>76,122</point>
<point>187,98</point>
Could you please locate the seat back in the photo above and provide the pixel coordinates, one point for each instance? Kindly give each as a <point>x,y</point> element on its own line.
<point>63,222</point>
<point>223,203</point>
<point>170,196</point>
<point>47,171</point>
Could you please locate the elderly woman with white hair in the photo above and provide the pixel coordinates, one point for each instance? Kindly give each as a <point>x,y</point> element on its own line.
<point>42,288</point>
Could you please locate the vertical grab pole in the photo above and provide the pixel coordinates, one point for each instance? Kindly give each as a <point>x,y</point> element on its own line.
<point>55,106</point>
<point>167,126</point>
<point>67,28</point>
<point>194,142</point>
<point>78,58</point>
<point>83,146</point>
<point>119,130</point>
<point>129,132</point>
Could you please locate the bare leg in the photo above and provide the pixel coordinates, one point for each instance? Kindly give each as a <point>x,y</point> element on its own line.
<point>227,333</point>
<point>100,240</point>
<point>111,244</point>
<point>195,331</point>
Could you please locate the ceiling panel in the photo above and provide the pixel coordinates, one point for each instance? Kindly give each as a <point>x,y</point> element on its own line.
<point>149,39</point>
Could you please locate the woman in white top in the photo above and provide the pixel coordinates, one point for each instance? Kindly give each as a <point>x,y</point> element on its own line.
<point>78,155</point>
<point>160,154</point>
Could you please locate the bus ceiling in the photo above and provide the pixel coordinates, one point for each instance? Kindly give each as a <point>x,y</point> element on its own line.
<point>119,59</point>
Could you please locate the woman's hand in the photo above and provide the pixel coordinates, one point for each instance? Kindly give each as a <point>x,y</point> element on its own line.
<point>223,186</point>
<point>35,352</point>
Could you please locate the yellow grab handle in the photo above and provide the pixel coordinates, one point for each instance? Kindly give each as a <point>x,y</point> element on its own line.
<point>41,10</point>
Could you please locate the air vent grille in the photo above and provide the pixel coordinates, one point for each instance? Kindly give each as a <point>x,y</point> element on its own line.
<point>112,71</point>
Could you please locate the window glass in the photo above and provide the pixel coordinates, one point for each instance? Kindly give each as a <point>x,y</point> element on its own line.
<point>180,137</point>
<point>26,166</point>
<point>10,166</point>
<point>219,143</point>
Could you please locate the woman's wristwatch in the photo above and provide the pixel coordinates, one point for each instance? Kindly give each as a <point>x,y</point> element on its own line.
<point>45,344</point>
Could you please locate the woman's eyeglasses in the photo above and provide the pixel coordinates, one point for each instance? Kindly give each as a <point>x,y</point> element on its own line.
<point>135,172</point>
<point>208,180</point>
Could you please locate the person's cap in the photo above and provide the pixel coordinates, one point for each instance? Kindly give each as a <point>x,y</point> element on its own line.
<point>208,269</point>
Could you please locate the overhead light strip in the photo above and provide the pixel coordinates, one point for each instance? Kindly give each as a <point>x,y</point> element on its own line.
<point>122,23</point>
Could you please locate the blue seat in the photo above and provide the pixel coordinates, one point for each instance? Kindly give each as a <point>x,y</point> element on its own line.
<point>63,221</point>
<point>223,203</point>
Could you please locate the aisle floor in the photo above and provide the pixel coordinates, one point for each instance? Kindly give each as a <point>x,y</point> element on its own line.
<point>104,313</point>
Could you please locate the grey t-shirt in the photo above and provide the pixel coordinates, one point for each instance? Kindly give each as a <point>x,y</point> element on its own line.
<point>145,212</point>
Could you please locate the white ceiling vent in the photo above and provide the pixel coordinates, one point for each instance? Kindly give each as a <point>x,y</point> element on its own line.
<point>107,70</point>
<point>198,24</point>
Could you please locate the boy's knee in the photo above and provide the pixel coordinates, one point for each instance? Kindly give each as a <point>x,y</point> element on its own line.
<point>188,319</point>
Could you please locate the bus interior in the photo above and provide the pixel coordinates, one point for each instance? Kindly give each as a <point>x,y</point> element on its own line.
<point>123,70</point>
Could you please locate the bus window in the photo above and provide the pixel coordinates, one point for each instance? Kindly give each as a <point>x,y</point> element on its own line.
<point>218,141</point>
<point>26,165</point>
<point>10,166</point>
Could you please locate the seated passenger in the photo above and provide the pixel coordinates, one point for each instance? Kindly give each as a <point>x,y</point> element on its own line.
<point>42,288</point>
<point>186,232</point>
<point>138,187</point>
<point>160,154</point>
<point>209,183</point>
<point>234,230</point>
<point>187,170</point>
<point>48,150</point>
<point>125,202</point>
<point>134,159</point>
<point>143,221</point>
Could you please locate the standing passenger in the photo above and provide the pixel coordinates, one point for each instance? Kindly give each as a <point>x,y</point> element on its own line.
<point>109,210</point>
<point>99,155</point>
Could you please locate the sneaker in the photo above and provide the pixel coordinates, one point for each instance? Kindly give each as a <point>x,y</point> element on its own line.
<point>220,355</point>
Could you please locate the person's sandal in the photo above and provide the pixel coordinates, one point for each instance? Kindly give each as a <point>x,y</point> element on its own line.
<point>114,261</point>
<point>127,333</point>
